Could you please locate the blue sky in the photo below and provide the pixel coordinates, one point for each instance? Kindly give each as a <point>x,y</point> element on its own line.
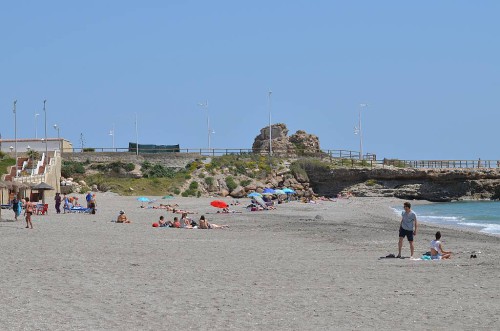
<point>429,71</point>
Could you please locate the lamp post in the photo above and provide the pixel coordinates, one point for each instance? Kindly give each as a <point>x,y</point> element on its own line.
<point>270,125</point>
<point>136,137</point>
<point>58,129</point>
<point>36,126</point>
<point>15,132</point>
<point>46,142</point>
<point>205,106</point>
<point>112,134</point>
<point>358,130</point>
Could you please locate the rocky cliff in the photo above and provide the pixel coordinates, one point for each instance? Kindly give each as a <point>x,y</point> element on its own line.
<point>421,184</point>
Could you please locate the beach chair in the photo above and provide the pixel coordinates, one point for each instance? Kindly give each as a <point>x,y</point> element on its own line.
<point>43,209</point>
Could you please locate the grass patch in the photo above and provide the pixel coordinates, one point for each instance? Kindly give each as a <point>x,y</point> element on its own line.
<point>5,163</point>
<point>140,186</point>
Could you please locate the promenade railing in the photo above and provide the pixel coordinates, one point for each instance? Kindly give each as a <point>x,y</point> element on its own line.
<point>341,157</point>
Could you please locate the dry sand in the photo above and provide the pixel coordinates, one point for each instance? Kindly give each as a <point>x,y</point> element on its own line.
<point>276,270</point>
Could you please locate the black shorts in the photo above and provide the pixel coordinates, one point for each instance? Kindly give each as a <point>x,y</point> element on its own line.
<point>407,233</point>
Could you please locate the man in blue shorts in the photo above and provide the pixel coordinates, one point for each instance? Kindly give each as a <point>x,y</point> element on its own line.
<point>407,228</point>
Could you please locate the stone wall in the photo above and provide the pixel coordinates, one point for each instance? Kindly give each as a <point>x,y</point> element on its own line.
<point>171,160</point>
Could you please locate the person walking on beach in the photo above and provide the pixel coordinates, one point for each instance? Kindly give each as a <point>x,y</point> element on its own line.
<point>407,228</point>
<point>57,200</point>
<point>28,211</point>
<point>16,207</point>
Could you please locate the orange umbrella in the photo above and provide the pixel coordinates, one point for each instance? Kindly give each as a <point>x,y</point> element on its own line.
<point>219,204</point>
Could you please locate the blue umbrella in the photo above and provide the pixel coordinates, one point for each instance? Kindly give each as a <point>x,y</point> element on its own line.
<point>268,191</point>
<point>143,199</point>
<point>254,194</point>
<point>279,192</point>
<point>288,191</point>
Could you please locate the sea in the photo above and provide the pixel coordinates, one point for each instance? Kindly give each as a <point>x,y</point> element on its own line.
<point>483,216</point>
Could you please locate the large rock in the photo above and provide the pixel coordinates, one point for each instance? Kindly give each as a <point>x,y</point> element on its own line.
<point>305,143</point>
<point>279,140</point>
<point>238,192</point>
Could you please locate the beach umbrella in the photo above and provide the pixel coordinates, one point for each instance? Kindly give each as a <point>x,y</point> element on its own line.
<point>254,194</point>
<point>219,204</point>
<point>168,197</point>
<point>268,191</point>
<point>42,187</point>
<point>279,192</point>
<point>143,199</point>
<point>288,191</point>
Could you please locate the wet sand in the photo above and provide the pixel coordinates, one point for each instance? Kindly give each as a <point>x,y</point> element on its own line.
<point>300,267</point>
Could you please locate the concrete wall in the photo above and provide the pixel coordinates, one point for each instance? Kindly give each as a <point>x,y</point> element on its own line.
<point>172,160</point>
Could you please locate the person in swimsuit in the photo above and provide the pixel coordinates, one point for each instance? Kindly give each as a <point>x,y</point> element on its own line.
<point>437,251</point>
<point>122,218</point>
<point>28,211</point>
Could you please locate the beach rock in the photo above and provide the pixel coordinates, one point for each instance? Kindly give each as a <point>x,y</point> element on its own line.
<point>279,140</point>
<point>238,192</point>
<point>224,192</point>
<point>305,143</point>
<point>251,187</point>
<point>82,183</point>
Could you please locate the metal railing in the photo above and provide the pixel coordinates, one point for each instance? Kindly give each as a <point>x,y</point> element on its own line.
<point>334,153</point>
<point>341,157</point>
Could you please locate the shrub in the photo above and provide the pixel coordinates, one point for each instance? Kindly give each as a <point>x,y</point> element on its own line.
<point>193,186</point>
<point>231,184</point>
<point>187,176</point>
<point>177,191</point>
<point>371,182</point>
<point>209,181</point>
<point>156,171</point>
<point>69,168</point>
<point>245,182</point>
<point>88,149</point>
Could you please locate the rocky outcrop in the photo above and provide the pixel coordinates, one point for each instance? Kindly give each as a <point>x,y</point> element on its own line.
<point>300,143</point>
<point>421,184</point>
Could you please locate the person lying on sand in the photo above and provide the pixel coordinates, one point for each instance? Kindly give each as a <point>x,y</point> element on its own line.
<point>203,224</point>
<point>181,211</point>
<point>437,251</point>
<point>122,218</point>
<point>167,207</point>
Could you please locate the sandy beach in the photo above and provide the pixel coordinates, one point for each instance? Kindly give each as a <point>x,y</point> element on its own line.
<point>300,267</point>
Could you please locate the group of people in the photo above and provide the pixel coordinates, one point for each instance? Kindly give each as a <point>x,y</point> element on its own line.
<point>408,228</point>
<point>71,202</point>
<point>19,205</point>
<point>187,223</point>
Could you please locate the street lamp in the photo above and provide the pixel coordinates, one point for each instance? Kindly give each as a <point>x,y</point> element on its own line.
<point>270,126</point>
<point>46,142</point>
<point>357,130</point>
<point>136,137</point>
<point>112,134</point>
<point>36,126</point>
<point>209,132</point>
<point>15,132</point>
<point>58,130</point>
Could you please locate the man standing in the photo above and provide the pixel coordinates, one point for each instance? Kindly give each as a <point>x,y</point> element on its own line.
<point>88,197</point>
<point>407,228</point>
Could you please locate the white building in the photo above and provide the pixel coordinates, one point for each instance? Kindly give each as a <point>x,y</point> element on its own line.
<point>23,145</point>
